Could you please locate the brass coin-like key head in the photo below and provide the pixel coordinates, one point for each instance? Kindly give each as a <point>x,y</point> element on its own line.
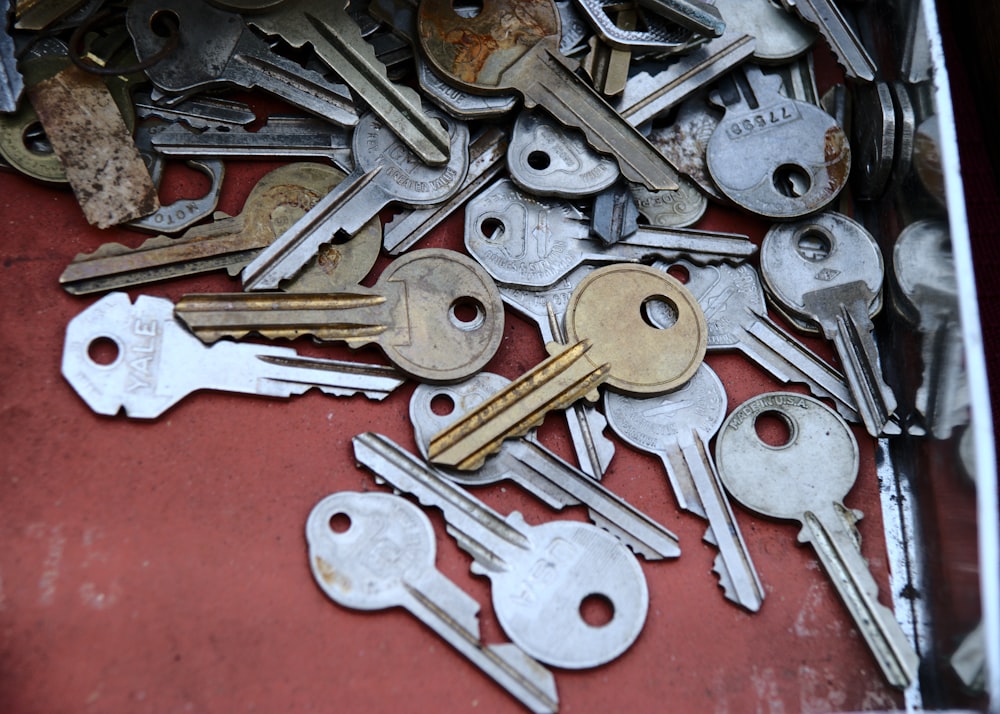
<point>609,308</point>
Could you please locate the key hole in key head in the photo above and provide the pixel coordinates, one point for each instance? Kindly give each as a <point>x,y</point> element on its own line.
<point>791,181</point>
<point>164,23</point>
<point>679,273</point>
<point>467,8</point>
<point>659,312</point>
<point>597,610</point>
<point>35,140</point>
<point>340,522</point>
<point>814,245</point>
<point>103,351</point>
<point>467,313</point>
<point>539,160</point>
<point>442,404</point>
<point>774,429</point>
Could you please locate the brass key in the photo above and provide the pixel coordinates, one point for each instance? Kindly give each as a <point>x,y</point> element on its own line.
<point>514,45</point>
<point>611,340</point>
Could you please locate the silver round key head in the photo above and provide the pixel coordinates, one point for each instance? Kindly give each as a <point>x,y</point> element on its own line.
<point>815,467</point>
<point>922,259</point>
<point>779,36</point>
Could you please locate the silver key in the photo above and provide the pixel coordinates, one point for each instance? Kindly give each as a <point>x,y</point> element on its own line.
<point>677,427</point>
<point>386,172</point>
<point>827,271</point>
<point>534,467</point>
<point>540,575</point>
<point>11,81</point>
<point>685,141</point>
<point>826,17</point>
<point>615,215</point>
<point>215,48</point>
<point>349,536</point>
<point>137,357</point>
<point>658,35</point>
<point>198,112</point>
<point>806,479</point>
<point>780,35</point>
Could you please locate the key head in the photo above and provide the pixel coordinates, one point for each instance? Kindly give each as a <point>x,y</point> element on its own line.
<point>923,265</point>
<point>365,547</point>
<point>610,308</point>
<point>473,52</point>
<point>814,469</point>
<point>455,315</point>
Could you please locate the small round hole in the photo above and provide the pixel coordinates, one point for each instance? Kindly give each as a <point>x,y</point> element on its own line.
<point>35,140</point>
<point>539,160</point>
<point>679,273</point>
<point>791,181</point>
<point>442,404</point>
<point>164,23</point>
<point>103,351</point>
<point>340,522</point>
<point>466,313</point>
<point>659,312</point>
<point>814,245</point>
<point>597,610</point>
<point>491,228</point>
<point>467,8</point>
<point>773,428</point>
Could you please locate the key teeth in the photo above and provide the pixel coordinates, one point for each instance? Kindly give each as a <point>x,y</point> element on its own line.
<point>728,590</point>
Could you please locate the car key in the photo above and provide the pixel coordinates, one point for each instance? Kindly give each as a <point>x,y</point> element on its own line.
<point>806,479</point>
<point>540,575</point>
<point>136,357</point>
<point>348,535</point>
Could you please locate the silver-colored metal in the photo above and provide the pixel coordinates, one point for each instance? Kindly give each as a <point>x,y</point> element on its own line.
<point>780,36</point>
<point>459,103</point>
<point>350,567</point>
<point>968,660</point>
<point>684,142</point>
<point>677,427</point>
<point>659,35</point>
<point>873,138</point>
<point>11,81</point>
<point>906,129</point>
<point>535,468</point>
<point>216,49</point>
<point>615,215</point>
<point>198,112</point>
<point>696,15</point>
<point>387,172</point>
<point>137,357</point>
<point>806,479</point>
<point>574,30</point>
<point>548,159</point>
<point>547,623</point>
<point>916,60</point>
<point>798,79</point>
<point>525,242</point>
<point>671,209</point>
<point>827,18</point>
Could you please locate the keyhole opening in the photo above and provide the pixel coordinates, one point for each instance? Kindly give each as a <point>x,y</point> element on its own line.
<point>467,8</point>
<point>467,314</point>
<point>103,351</point>
<point>340,522</point>
<point>791,181</point>
<point>659,312</point>
<point>442,404</point>
<point>597,610</point>
<point>491,228</point>
<point>539,160</point>
<point>679,273</point>
<point>35,140</point>
<point>164,23</point>
<point>774,429</point>
<point>814,245</point>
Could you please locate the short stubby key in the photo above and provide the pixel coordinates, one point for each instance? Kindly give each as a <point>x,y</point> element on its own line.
<point>349,535</point>
<point>540,575</point>
<point>806,479</point>
<point>435,313</point>
<point>827,271</point>
<point>677,427</point>
<point>517,48</point>
<point>535,468</point>
<point>137,357</point>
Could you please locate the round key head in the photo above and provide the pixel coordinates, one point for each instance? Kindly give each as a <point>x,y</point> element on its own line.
<point>610,307</point>
<point>455,314</point>
<point>922,260</point>
<point>779,35</point>
<point>364,548</point>
<point>815,467</point>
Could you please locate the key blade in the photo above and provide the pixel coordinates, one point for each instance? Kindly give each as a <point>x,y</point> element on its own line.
<point>11,81</point>
<point>695,15</point>
<point>843,41</point>
<point>337,377</point>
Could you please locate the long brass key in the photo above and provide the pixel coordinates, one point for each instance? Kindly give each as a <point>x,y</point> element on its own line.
<point>514,45</point>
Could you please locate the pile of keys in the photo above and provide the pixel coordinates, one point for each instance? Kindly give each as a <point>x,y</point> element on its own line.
<point>582,139</point>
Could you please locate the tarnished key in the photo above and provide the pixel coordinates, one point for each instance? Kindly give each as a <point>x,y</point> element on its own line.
<point>827,271</point>
<point>277,201</point>
<point>11,81</point>
<point>806,479</point>
<point>435,313</point>
<point>686,140</point>
<point>535,468</point>
<point>215,48</point>
<point>610,340</point>
<point>677,427</point>
<point>385,172</point>
<point>349,535</point>
<point>517,48</point>
<point>136,357</point>
<point>827,18</point>
<point>525,242</point>
<point>540,575</point>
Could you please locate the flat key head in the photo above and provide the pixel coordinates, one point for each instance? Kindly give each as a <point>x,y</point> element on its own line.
<point>922,260</point>
<point>814,469</point>
<point>474,52</point>
<point>365,547</point>
<point>610,308</point>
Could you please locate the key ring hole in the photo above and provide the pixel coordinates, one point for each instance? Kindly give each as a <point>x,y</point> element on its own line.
<point>467,8</point>
<point>104,351</point>
<point>679,273</point>
<point>467,314</point>
<point>659,312</point>
<point>774,429</point>
<point>442,404</point>
<point>813,244</point>
<point>597,610</point>
<point>791,181</point>
<point>340,523</point>
<point>539,160</point>
<point>492,228</point>
<point>34,139</point>
<point>164,23</point>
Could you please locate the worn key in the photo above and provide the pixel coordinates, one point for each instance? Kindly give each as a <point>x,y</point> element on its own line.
<point>540,575</point>
<point>806,479</point>
<point>677,427</point>
<point>827,18</point>
<point>610,340</point>
<point>348,535</point>
<point>215,48</point>
<point>278,200</point>
<point>827,271</point>
<point>137,357</point>
<point>535,468</point>
<point>435,313</point>
<point>385,172</point>
<point>518,49</point>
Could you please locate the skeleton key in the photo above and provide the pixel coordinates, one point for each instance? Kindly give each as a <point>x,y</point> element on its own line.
<point>806,480</point>
<point>137,357</point>
<point>535,468</point>
<point>677,427</point>
<point>435,313</point>
<point>827,271</point>
<point>348,536</point>
<point>519,50</point>
<point>540,614</point>
<point>215,48</point>
<point>277,201</point>
<point>386,172</point>
<point>611,340</point>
